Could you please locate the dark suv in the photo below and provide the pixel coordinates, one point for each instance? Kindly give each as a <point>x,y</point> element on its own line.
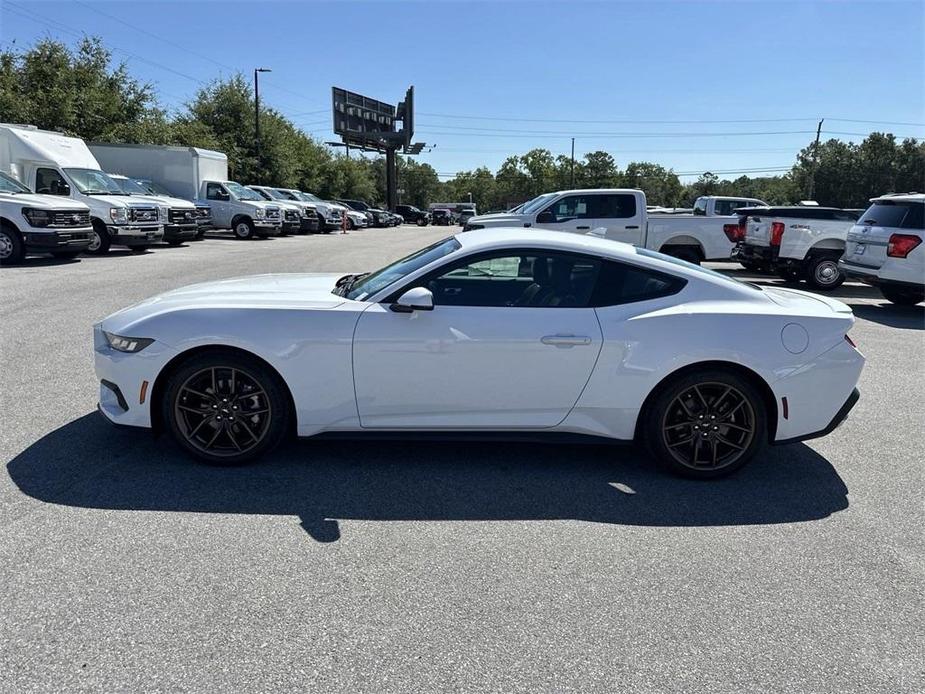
<point>412,214</point>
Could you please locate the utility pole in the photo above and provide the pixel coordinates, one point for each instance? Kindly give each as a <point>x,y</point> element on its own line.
<point>812,175</point>
<point>572,185</point>
<point>257,121</point>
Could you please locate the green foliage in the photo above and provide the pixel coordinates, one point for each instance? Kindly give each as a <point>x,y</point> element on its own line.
<point>79,91</point>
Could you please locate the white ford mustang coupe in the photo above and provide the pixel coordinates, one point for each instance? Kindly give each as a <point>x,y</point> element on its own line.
<point>517,332</point>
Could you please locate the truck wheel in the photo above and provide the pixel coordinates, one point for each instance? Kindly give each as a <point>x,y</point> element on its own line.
<point>683,253</point>
<point>822,272</point>
<point>244,229</point>
<point>422,222</point>
<point>201,234</point>
<point>175,242</point>
<point>12,250</point>
<point>903,297</point>
<point>100,240</point>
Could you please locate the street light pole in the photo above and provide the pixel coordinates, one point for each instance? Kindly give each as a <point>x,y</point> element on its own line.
<point>257,121</point>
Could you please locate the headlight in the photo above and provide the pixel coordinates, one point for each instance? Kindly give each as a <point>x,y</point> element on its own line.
<point>36,218</point>
<point>118,214</point>
<point>260,213</point>
<point>127,344</point>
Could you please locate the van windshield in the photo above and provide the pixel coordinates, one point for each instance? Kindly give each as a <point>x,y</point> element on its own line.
<point>242,193</point>
<point>8,184</point>
<point>155,188</point>
<point>131,187</point>
<point>91,182</point>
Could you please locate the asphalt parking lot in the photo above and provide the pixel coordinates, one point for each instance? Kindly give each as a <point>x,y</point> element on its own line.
<point>386,567</point>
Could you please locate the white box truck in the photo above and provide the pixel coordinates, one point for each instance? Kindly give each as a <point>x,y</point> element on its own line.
<point>51,163</point>
<point>200,176</point>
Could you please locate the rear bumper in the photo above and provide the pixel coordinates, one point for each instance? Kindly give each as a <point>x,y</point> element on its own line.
<point>755,254</point>
<point>76,240</point>
<point>839,417</point>
<point>874,276</point>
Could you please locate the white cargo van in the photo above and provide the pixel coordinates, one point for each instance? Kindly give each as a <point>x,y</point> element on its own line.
<point>52,163</point>
<point>200,176</point>
<point>32,223</point>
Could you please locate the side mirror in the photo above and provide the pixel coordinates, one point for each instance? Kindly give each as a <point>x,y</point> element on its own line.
<point>545,217</point>
<point>416,299</point>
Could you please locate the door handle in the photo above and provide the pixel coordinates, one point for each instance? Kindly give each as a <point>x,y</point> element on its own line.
<point>582,227</point>
<point>565,340</point>
<point>452,291</point>
<point>631,226</point>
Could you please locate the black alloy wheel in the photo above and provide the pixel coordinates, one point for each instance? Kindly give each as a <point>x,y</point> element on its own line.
<point>225,409</point>
<point>706,425</point>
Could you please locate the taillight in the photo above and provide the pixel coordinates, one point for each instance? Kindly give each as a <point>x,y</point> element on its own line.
<point>733,232</point>
<point>901,244</point>
<point>777,233</point>
<point>850,342</point>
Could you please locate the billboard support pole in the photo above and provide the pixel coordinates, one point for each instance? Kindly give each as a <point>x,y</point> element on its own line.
<point>391,179</point>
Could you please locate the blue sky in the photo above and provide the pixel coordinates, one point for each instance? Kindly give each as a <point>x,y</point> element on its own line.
<point>531,74</point>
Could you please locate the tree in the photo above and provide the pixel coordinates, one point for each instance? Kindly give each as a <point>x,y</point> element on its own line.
<point>661,185</point>
<point>599,170</point>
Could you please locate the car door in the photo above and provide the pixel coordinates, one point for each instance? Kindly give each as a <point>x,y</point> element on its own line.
<point>618,214</point>
<point>510,343</point>
<point>568,213</point>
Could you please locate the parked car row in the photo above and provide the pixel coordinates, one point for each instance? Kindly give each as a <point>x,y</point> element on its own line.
<point>881,246</point>
<point>60,195</point>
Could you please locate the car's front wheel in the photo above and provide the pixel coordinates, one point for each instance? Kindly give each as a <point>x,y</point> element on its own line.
<point>225,408</point>
<point>705,424</point>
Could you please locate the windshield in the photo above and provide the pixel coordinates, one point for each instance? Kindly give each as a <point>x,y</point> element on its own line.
<point>367,285</point>
<point>155,188</point>
<point>308,197</point>
<point>645,252</point>
<point>262,193</point>
<point>8,184</point>
<point>537,202</point>
<point>91,182</point>
<point>131,187</point>
<point>240,192</point>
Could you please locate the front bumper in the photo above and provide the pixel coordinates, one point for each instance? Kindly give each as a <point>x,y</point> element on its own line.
<point>180,232</point>
<point>53,240</point>
<point>267,227</point>
<point>332,224</point>
<point>310,224</point>
<point>134,235</point>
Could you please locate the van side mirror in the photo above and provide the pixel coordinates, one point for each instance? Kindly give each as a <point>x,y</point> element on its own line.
<point>545,217</point>
<point>416,299</point>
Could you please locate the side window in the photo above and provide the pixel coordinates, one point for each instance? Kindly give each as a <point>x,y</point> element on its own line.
<point>700,207</point>
<point>570,207</point>
<point>619,283</point>
<point>50,182</point>
<point>529,279</point>
<point>614,206</point>
<point>214,191</point>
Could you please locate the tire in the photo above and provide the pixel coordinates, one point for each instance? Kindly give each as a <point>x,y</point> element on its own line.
<point>243,229</point>
<point>350,225</point>
<point>12,249</point>
<point>175,242</point>
<point>200,235</point>
<point>751,266</point>
<point>422,222</point>
<point>683,253</point>
<point>100,241</point>
<point>65,255</point>
<point>903,297</point>
<point>240,382</point>
<point>674,417</point>
<point>822,272</point>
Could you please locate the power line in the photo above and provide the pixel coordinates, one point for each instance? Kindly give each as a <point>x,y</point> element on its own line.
<point>662,122</point>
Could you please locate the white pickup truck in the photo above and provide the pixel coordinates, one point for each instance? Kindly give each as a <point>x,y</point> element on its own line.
<point>796,242</point>
<point>619,214</point>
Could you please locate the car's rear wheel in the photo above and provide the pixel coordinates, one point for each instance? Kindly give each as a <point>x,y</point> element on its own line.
<point>705,424</point>
<point>226,409</point>
<point>902,297</point>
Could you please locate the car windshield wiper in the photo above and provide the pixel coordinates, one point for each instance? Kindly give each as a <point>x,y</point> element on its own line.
<point>345,283</point>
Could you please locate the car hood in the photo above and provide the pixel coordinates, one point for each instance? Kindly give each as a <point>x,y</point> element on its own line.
<point>175,202</point>
<point>44,202</point>
<point>302,291</point>
<point>498,219</point>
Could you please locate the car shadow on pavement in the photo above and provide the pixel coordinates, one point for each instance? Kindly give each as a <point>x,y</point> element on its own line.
<point>87,463</point>
<point>904,317</point>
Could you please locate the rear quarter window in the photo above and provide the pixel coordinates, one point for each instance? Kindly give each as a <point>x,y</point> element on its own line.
<point>621,283</point>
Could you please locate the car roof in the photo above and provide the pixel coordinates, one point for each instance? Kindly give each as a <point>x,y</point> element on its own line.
<point>914,197</point>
